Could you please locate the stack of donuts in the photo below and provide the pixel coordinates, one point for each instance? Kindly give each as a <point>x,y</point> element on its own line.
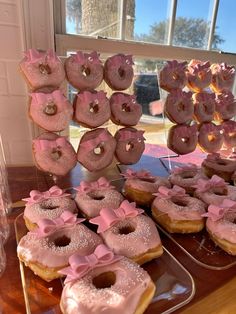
<point>199,93</point>
<point>50,110</point>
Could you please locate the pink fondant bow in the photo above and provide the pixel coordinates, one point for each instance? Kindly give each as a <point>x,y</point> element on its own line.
<point>167,193</point>
<point>187,167</point>
<point>33,56</point>
<point>109,217</point>
<point>126,135</point>
<point>42,98</point>
<point>93,143</point>
<point>86,58</point>
<point>41,145</point>
<point>81,265</point>
<point>49,226</point>
<point>205,185</point>
<point>218,212</point>
<point>88,97</point>
<point>100,184</point>
<point>142,174</point>
<point>37,196</point>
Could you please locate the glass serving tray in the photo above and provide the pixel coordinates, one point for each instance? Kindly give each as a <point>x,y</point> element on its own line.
<point>174,285</point>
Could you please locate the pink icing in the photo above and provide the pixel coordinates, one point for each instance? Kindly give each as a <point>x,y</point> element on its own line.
<point>229,134</point>
<point>204,185</point>
<point>173,76</point>
<point>210,145</point>
<point>223,229</point>
<point>199,74</point>
<point>86,58</point>
<point>215,162</point>
<point>225,105</point>
<point>167,193</point>
<point>122,297</point>
<point>223,76</point>
<point>204,106</point>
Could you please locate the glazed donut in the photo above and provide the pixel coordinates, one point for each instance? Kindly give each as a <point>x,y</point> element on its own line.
<point>84,71</point>
<point>105,283</point>
<point>42,70</point>
<point>91,109</point>
<point>199,75</point>
<point>118,71</point>
<point>140,185</point>
<point>222,77</point>
<point>91,197</point>
<point>179,106</point>
<point>124,109</point>
<point>173,76</point>
<point>204,107</point>
<point>128,233</point>
<point>225,106</point>
<point>47,249</point>
<point>49,204</point>
<point>96,149</point>
<point>130,145</point>
<point>222,167</point>
<point>51,112</point>
<point>54,154</point>
<point>221,225</point>
<point>214,191</point>
<point>177,212</point>
<point>186,176</point>
<point>229,128</point>
<point>182,139</point>
<point>210,138</point>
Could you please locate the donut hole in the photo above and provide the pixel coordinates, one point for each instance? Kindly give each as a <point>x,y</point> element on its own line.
<point>125,107</point>
<point>187,175</point>
<point>50,109</point>
<point>185,139</point>
<point>104,280</point>
<point>62,241</point>
<point>121,72</point>
<point>56,154</point>
<point>93,108</point>
<point>44,69</point>
<point>211,137</point>
<point>126,229</point>
<point>99,150</point>
<point>180,203</point>
<point>48,206</point>
<point>96,197</point>
<point>221,162</point>
<point>148,180</point>
<point>129,146</point>
<point>85,71</point>
<point>220,192</point>
<point>180,107</point>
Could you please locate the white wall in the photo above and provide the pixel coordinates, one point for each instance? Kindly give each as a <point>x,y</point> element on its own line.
<point>23,24</point>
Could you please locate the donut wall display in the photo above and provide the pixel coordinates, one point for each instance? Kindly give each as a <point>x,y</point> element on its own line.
<point>200,104</point>
<point>50,110</point>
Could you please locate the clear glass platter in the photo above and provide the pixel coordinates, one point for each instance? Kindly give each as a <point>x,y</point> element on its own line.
<point>174,285</point>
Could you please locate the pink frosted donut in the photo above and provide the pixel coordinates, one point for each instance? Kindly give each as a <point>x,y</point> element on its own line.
<point>118,71</point>
<point>179,106</point>
<point>222,77</point>
<point>54,154</point>
<point>225,106</point>
<point>173,76</point>
<point>221,225</point>
<point>177,212</point>
<point>214,191</point>
<point>186,176</point>
<point>96,149</point>
<point>210,137</point>
<point>104,283</point>
<point>91,197</point>
<point>49,204</point>
<point>182,139</point>
<point>130,145</point>
<point>47,249</point>
<point>129,233</point>
<point>199,75</point>
<point>229,128</point>
<point>91,109</point>
<point>52,111</point>
<point>42,69</point>
<point>140,186</point>
<point>124,109</point>
<point>84,70</point>
<point>204,106</point>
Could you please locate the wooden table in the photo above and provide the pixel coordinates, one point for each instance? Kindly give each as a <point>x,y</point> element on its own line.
<point>215,289</point>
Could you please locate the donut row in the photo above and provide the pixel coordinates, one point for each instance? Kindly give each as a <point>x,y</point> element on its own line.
<point>53,112</point>
<point>197,76</point>
<point>183,139</point>
<point>54,153</point>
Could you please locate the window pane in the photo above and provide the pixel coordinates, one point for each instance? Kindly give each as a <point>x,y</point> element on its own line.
<point>149,21</point>
<point>192,23</point>
<point>93,17</point>
<point>226,25</point>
